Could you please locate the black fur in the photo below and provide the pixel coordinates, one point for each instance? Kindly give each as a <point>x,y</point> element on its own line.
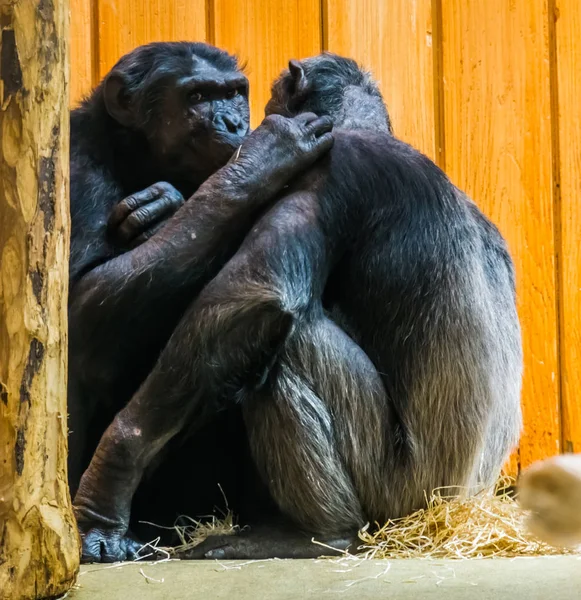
<point>110,162</point>
<point>158,130</point>
<point>366,326</point>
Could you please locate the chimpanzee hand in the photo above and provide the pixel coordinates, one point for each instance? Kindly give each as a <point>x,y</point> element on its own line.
<point>281,148</point>
<point>137,217</point>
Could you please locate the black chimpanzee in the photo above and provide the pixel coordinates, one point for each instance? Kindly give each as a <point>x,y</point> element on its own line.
<point>367,326</point>
<point>157,130</point>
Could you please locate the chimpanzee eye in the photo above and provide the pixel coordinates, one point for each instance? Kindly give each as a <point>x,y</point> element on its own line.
<point>195,96</point>
<point>232,93</point>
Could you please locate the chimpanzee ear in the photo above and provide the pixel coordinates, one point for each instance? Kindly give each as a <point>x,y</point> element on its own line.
<point>299,79</point>
<point>117,99</point>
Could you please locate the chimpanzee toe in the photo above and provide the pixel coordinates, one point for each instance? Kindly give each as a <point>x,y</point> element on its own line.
<point>101,546</point>
<point>220,547</point>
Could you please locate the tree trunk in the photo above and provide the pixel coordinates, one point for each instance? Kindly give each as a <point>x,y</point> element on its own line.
<point>39,545</point>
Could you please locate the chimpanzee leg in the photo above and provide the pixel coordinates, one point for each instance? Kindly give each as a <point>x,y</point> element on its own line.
<point>318,430</point>
<point>318,419</point>
<point>225,344</point>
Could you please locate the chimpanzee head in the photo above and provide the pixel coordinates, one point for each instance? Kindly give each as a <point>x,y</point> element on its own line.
<point>330,85</point>
<point>189,100</point>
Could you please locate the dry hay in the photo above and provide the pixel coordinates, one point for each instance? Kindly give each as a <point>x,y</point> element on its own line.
<point>192,532</point>
<point>484,525</point>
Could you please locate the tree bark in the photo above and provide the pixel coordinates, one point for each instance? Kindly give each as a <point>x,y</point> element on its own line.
<point>39,545</point>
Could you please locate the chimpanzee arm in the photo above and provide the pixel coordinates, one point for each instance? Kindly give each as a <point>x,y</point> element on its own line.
<point>133,292</point>
<point>226,340</point>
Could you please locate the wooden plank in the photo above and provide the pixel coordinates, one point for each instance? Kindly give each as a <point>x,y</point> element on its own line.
<point>125,25</point>
<point>83,58</point>
<point>568,59</point>
<point>266,34</point>
<point>498,148</point>
<point>396,41</point>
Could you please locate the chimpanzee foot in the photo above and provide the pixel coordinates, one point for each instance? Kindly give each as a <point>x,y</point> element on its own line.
<point>256,545</point>
<point>108,546</point>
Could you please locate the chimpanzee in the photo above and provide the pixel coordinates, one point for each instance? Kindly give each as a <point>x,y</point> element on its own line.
<point>367,326</point>
<point>161,127</point>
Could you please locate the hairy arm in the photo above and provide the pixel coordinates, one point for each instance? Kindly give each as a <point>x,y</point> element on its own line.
<point>166,271</point>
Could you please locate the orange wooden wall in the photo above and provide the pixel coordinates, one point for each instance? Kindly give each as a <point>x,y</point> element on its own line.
<point>490,90</point>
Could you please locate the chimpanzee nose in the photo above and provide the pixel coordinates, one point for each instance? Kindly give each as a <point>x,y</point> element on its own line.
<point>231,123</point>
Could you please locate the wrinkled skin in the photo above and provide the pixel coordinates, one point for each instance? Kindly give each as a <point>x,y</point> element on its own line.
<point>139,216</point>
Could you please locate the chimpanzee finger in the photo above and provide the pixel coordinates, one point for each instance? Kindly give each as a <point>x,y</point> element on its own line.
<point>320,126</point>
<point>146,235</point>
<point>306,118</point>
<point>122,210</point>
<point>143,218</point>
<point>324,143</point>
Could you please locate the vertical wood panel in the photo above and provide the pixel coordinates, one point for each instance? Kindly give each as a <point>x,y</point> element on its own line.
<point>395,41</point>
<point>498,148</point>
<point>474,74</point>
<point>266,34</point>
<point>568,59</point>
<point>83,59</point>
<point>124,25</point>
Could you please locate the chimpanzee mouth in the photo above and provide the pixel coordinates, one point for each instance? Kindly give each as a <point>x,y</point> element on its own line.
<point>219,142</point>
<point>232,140</point>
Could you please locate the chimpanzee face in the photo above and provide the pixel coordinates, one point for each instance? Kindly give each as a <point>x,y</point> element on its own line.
<point>190,102</point>
<point>202,118</point>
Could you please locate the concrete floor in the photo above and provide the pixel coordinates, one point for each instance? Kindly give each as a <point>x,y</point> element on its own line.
<point>547,578</point>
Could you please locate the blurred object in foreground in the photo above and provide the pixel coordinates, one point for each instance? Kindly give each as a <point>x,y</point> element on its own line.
<point>551,490</point>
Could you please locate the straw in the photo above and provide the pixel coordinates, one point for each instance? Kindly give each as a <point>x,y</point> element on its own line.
<point>484,525</point>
